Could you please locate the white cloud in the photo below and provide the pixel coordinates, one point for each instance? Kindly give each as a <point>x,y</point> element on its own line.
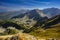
<point>47,3</point>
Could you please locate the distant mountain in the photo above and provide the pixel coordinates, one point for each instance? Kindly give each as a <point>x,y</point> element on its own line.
<point>31,18</point>
<point>51,11</point>
<point>36,14</point>
<point>18,16</point>
<point>10,14</point>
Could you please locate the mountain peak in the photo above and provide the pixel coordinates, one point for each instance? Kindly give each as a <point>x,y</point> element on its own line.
<point>36,14</point>
<point>40,12</point>
<point>51,12</point>
<point>36,10</point>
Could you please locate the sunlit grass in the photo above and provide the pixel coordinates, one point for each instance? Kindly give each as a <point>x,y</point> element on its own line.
<point>48,33</point>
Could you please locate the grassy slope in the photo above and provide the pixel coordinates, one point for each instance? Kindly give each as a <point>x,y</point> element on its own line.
<point>48,33</point>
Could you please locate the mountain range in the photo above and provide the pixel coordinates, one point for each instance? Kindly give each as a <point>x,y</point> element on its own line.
<point>39,23</point>
<point>10,14</point>
<point>49,12</point>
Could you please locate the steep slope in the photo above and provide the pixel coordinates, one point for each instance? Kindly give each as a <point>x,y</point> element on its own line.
<point>49,29</point>
<point>29,19</point>
<point>36,14</point>
<point>52,21</point>
<point>53,33</point>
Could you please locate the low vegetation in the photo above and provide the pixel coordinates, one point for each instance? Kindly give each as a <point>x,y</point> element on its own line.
<point>53,32</point>
<point>47,29</point>
<point>10,31</point>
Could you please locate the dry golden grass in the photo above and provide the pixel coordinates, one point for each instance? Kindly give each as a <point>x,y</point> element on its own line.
<point>19,36</point>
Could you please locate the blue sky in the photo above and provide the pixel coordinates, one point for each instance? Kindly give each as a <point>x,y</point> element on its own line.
<point>28,4</point>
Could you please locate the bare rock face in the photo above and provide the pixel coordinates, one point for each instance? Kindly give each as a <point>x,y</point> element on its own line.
<point>20,36</point>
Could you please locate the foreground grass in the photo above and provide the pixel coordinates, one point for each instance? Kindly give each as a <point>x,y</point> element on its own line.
<point>18,36</point>
<point>53,32</point>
